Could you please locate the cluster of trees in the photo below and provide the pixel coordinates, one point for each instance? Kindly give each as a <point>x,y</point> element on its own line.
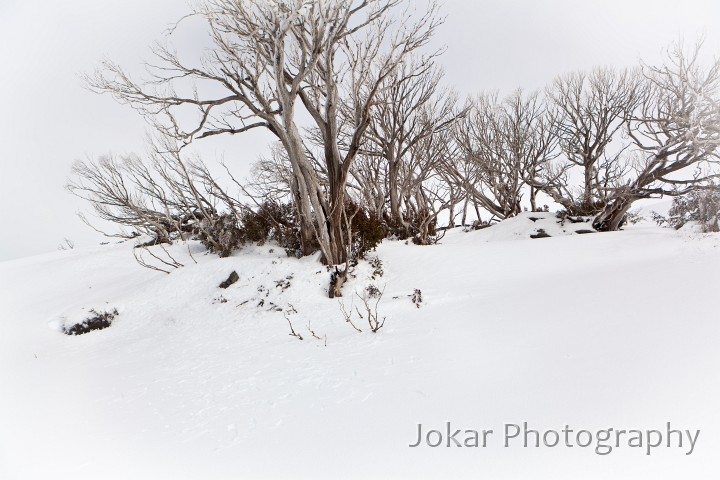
<point>367,133</point>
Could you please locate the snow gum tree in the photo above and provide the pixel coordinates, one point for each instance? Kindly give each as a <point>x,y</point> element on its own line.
<point>589,113</point>
<point>271,59</point>
<point>504,145</point>
<point>411,108</point>
<point>676,134</point>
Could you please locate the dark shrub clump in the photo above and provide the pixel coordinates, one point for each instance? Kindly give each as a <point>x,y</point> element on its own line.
<point>273,221</point>
<point>98,321</point>
<point>368,230</point>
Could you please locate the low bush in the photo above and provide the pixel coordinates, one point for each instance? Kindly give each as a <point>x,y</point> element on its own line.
<point>98,321</point>
<point>220,234</point>
<point>368,230</point>
<point>702,206</point>
<point>273,221</point>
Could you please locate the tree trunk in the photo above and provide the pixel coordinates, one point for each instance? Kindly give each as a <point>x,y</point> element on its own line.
<point>395,217</point>
<point>587,193</point>
<point>533,194</point>
<point>336,229</point>
<point>613,216</point>
<point>477,211</point>
<point>310,202</point>
<point>306,232</point>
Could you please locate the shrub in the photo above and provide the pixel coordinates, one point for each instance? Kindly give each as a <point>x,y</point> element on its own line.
<point>377,268</point>
<point>270,221</point>
<point>422,229</point>
<point>368,230</point>
<point>97,321</point>
<point>220,234</point>
<point>372,291</point>
<point>417,297</point>
<point>702,206</point>
<point>273,221</point>
<point>634,217</point>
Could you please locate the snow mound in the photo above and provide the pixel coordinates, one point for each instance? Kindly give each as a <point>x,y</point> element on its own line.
<point>532,225</point>
<point>691,227</point>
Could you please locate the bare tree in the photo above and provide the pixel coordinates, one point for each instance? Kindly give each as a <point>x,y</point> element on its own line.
<point>505,146</point>
<point>113,187</point>
<point>528,138</point>
<point>411,106</point>
<point>344,89</point>
<point>162,196</point>
<point>589,112</point>
<point>496,181</point>
<point>675,133</point>
<point>426,191</point>
<point>266,55</point>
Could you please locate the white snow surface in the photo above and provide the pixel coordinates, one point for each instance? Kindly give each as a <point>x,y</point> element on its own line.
<point>192,381</point>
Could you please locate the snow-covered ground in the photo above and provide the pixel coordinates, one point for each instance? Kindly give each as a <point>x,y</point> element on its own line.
<point>618,330</point>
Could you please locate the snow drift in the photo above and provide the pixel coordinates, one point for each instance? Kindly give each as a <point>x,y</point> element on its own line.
<point>614,330</point>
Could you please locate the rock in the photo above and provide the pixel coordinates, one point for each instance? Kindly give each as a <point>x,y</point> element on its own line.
<point>230,280</point>
<point>540,234</point>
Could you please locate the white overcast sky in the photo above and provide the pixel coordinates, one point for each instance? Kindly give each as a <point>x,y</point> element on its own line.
<point>48,119</point>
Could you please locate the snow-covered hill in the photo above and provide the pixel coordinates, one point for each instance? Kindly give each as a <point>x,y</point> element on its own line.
<point>616,330</point>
